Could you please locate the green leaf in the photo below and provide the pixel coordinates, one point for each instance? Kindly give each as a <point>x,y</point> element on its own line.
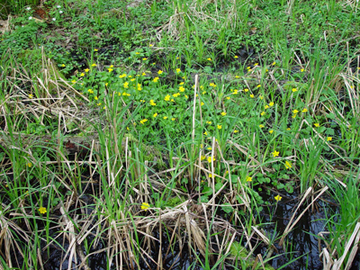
<point>207,191</point>
<point>330,131</point>
<point>227,208</point>
<point>218,186</point>
<point>280,186</point>
<point>289,187</point>
<point>204,199</point>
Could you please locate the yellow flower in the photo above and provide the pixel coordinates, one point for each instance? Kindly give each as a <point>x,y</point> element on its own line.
<point>275,153</point>
<point>173,119</point>
<point>212,84</point>
<point>42,210</point>
<point>155,114</point>
<point>160,72</point>
<point>145,206</point>
<point>209,59</point>
<point>248,179</point>
<point>29,164</point>
<point>126,84</point>
<point>273,63</point>
<point>261,126</point>
<point>209,159</point>
<point>329,139</point>
<point>258,86</point>
<point>122,75</point>
<point>203,157</point>
<point>261,97</point>
<point>73,81</point>
<point>139,87</point>
<point>219,126</point>
<point>317,125</point>
<point>271,104</point>
<point>236,56</point>
<point>266,107</point>
<point>294,89</point>
<point>167,98</point>
<point>178,70</point>
<point>278,198</point>
<point>287,165</point>
<point>110,69</point>
<point>82,74</point>
<point>152,103</point>
<point>143,121</point>
<point>304,110</point>
<point>223,113</point>
<point>302,70</point>
<point>165,117</point>
<point>208,122</point>
<point>236,131</point>
<point>93,65</point>
<point>63,65</point>
<point>252,96</point>
<point>95,50</point>
<point>271,131</point>
<point>235,92</point>
<point>205,133</point>
<point>294,115</point>
<point>144,59</point>
<point>150,45</point>
<point>181,89</point>
<point>176,94</point>
<point>155,79</point>
<point>246,90</point>
<point>295,111</point>
<point>262,113</point>
<point>90,91</point>
<point>31,96</point>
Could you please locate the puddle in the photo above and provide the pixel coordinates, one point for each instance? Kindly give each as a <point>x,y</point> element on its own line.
<point>302,241</point>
